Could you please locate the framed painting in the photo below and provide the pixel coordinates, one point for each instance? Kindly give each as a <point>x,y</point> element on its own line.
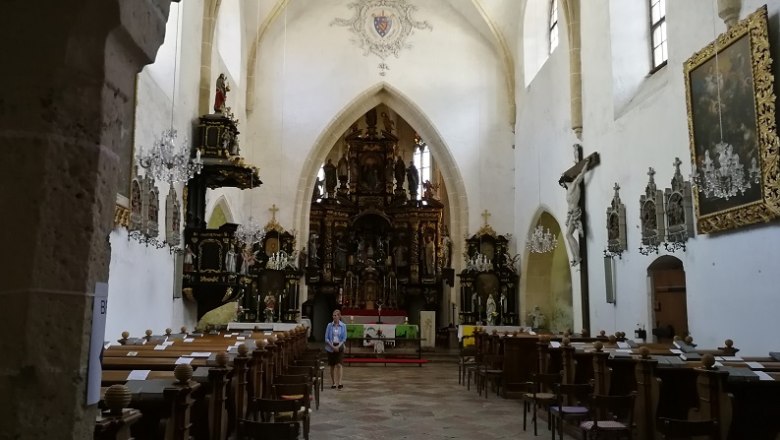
<point>732,128</point>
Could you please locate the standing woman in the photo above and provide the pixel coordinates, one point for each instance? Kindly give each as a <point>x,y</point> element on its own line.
<point>335,337</point>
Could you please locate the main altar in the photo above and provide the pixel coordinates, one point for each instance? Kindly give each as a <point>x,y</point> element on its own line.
<point>375,243</point>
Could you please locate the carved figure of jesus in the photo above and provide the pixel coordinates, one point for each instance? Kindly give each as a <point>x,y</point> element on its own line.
<point>574,215</point>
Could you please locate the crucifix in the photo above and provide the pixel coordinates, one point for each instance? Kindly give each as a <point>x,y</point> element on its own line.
<point>273,210</point>
<point>572,181</point>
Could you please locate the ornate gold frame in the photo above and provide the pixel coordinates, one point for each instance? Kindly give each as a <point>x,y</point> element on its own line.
<point>763,205</point>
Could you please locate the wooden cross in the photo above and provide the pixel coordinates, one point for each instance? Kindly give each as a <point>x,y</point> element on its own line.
<point>273,210</point>
<point>569,176</point>
<point>485,215</point>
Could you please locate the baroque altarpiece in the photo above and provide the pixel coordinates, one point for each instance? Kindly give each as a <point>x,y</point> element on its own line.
<point>373,243</point>
<point>489,281</point>
<point>263,277</point>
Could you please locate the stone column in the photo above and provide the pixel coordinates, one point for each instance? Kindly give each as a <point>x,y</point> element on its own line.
<point>66,119</point>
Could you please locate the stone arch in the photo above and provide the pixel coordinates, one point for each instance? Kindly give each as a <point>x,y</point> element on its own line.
<point>220,205</point>
<point>383,93</point>
<point>547,280</point>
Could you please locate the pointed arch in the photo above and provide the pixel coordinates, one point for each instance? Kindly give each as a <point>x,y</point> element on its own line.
<point>547,280</point>
<point>383,93</point>
<point>220,205</point>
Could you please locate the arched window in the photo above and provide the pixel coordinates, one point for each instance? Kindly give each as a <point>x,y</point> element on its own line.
<point>553,25</point>
<point>422,161</point>
<point>658,33</point>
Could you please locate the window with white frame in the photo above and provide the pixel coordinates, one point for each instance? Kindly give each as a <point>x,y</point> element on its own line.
<point>658,33</point>
<point>422,161</point>
<point>553,25</point>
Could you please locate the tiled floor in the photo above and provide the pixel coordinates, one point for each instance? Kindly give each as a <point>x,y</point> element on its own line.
<point>410,402</point>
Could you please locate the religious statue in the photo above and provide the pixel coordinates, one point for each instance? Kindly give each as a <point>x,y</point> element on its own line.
<point>490,309</point>
<point>536,318</point>
<point>388,123</point>
<point>446,248</point>
<point>330,177</point>
<point>400,173</point>
<point>270,307</point>
<point>574,215</point>
<point>503,305</point>
<point>248,257</point>
<point>429,190</point>
<point>230,260</point>
<point>430,256</point>
<point>220,97</point>
<point>189,258</point>
<point>343,169</point>
<point>413,177</point>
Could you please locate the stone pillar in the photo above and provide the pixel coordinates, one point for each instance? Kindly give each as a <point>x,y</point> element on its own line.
<point>66,119</point>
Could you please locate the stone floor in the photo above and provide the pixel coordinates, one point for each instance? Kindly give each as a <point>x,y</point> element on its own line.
<point>410,402</point>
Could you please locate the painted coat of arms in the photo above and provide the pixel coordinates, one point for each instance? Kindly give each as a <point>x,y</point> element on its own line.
<point>382,27</point>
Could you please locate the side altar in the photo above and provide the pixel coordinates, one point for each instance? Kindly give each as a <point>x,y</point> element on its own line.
<point>489,282</point>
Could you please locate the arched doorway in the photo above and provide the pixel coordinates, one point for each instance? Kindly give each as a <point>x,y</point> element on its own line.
<point>668,298</point>
<point>547,283</point>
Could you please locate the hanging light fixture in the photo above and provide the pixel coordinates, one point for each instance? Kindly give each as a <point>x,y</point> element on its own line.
<point>249,233</point>
<point>166,161</point>
<point>541,240</point>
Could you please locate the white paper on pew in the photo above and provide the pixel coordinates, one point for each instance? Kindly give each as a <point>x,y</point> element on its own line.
<point>675,351</point>
<point>555,344</point>
<point>228,336</point>
<point>718,364</point>
<point>200,354</point>
<point>138,374</point>
<point>160,347</point>
<point>168,343</point>
<point>106,345</point>
<point>235,334</point>
<point>623,345</point>
<point>183,360</point>
<point>624,350</point>
<point>732,358</point>
<point>763,376</point>
<point>755,365</point>
<point>132,353</point>
<point>189,339</point>
<point>676,344</point>
<point>240,338</point>
<point>237,344</point>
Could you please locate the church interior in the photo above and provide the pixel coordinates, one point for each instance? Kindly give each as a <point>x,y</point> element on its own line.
<point>544,166</point>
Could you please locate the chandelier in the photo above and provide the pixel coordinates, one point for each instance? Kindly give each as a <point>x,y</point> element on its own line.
<point>541,241</point>
<point>168,162</point>
<point>726,179</point>
<point>249,233</point>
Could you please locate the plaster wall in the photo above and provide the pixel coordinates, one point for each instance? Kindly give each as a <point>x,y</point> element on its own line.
<point>141,278</point>
<point>451,74</point>
<point>731,284</point>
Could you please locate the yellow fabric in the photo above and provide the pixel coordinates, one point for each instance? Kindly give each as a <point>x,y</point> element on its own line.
<point>222,315</point>
<point>292,397</point>
<point>468,331</point>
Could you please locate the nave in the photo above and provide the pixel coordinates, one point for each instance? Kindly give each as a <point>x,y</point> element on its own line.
<point>415,403</point>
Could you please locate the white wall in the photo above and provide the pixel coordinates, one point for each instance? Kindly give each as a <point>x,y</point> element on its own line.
<point>731,284</point>
<point>452,74</point>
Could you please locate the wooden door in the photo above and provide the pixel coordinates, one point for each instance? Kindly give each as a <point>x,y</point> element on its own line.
<point>670,303</point>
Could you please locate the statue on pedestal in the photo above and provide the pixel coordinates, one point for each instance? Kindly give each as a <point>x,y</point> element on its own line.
<point>220,97</point>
